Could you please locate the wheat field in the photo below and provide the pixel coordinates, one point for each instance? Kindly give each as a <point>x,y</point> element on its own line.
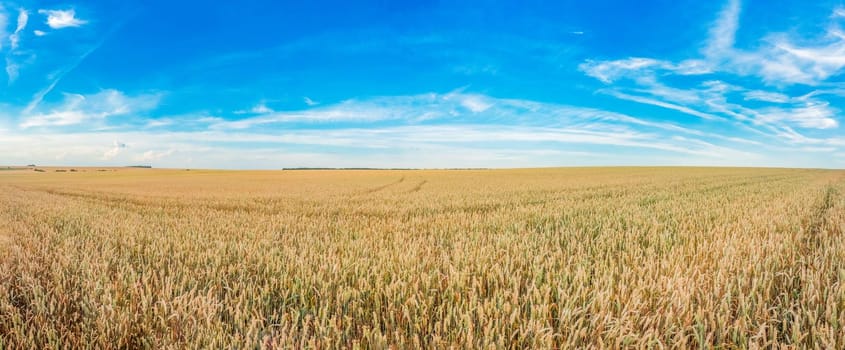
<point>530,258</point>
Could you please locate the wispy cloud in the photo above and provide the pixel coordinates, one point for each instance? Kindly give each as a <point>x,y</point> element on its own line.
<point>388,131</point>
<point>12,65</point>
<point>260,108</point>
<point>454,144</point>
<point>151,155</point>
<point>77,109</point>
<point>114,150</point>
<point>639,67</point>
<point>474,103</point>
<point>476,109</point>
<point>4,22</point>
<point>574,124</point>
<point>794,137</point>
<point>56,78</point>
<point>608,71</point>
<point>784,61</point>
<point>667,105</point>
<point>58,19</point>
<point>350,110</point>
<point>23,17</point>
<point>723,32</point>
<point>777,61</point>
<point>724,101</point>
<point>811,115</point>
<point>767,96</point>
<point>407,108</point>
<point>157,123</point>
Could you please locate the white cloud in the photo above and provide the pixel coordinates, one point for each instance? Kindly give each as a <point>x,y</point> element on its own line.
<point>475,103</point>
<point>766,96</point>
<point>150,156</point>
<point>260,108</point>
<point>808,64</point>
<point>640,67</point>
<point>710,101</point>
<point>679,108</point>
<point>14,39</point>
<point>449,108</point>
<point>114,150</point>
<point>39,32</point>
<point>817,116</point>
<point>415,141</point>
<point>12,70</point>
<point>510,132</point>
<point>391,108</point>
<point>839,11</point>
<point>156,123</point>
<point>456,107</point>
<point>309,101</point>
<point>819,149</point>
<point>723,32</point>
<point>12,66</point>
<point>692,67</point>
<point>708,90</point>
<point>608,71</point>
<point>56,78</point>
<point>76,109</point>
<point>58,19</point>
<point>779,61</point>
<point>4,21</point>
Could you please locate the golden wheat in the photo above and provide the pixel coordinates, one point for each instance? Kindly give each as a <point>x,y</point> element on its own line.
<point>534,258</point>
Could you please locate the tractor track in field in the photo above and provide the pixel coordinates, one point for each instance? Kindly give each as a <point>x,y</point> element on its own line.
<point>382,187</point>
<point>418,187</point>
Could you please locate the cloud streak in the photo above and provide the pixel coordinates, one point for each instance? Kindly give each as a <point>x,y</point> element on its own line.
<point>23,18</point>
<point>4,22</point>
<point>12,66</point>
<point>77,109</point>
<point>39,96</point>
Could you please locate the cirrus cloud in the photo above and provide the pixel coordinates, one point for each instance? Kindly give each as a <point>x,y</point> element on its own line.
<point>76,109</point>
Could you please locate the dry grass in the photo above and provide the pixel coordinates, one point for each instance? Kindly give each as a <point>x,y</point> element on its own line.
<point>541,258</point>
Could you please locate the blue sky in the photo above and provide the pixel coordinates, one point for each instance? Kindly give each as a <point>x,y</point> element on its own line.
<point>422,84</point>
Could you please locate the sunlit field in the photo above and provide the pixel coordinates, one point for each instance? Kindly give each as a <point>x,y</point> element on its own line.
<point>531,258</point>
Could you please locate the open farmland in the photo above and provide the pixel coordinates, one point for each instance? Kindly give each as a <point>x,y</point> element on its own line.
<point>533,258</point>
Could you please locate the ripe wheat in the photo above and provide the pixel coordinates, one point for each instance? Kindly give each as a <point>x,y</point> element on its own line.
<point>533,258</point>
